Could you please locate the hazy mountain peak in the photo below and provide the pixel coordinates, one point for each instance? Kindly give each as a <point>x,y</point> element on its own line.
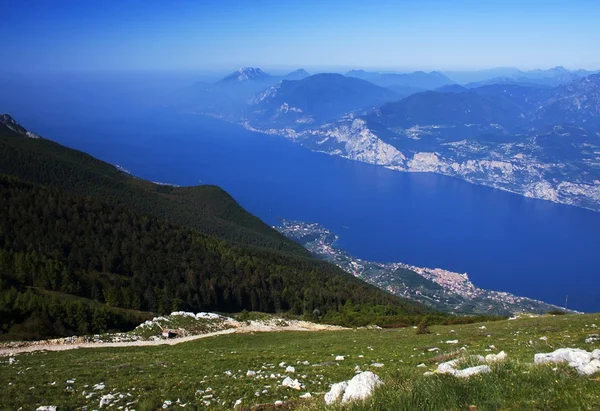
<point>297,74</point>
<point>246,74</point>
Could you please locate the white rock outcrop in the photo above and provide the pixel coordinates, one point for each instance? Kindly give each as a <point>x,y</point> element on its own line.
<point>46,408</point>
<point>450,367</point>
<point>336,391</point>
<point>469,372</point>
<point>291,383</point>
<point>491,358</point>
<point>584,362</point>
<point>106,400</point>
<point>359,388</point>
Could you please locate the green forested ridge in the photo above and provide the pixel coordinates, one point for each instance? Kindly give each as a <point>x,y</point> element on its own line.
<point>54,240</point>
<point>86,248</point>
<point>206,208</point>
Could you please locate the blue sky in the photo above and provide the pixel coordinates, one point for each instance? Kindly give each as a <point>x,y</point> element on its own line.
<point>285,34</point>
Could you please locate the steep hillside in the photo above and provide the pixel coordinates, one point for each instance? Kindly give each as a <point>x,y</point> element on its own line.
<point>205,208</point>
<point>446,108</point>
<point>120,246</point>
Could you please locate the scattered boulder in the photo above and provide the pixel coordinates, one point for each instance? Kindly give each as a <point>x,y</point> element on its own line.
<point>591,368</point>
<point>592,338</point>
<point>291,383</point>
<point>106,399</point>
<point>359,388</point>
<point>584,362</point>
<point>377,365</point>
<point>339,358</point>
<point>290,369</point>
<point>46,408</point>
<point>335,392</point>
<point>574,356</point>
<point>306,395</point>
<point>452,342</point>
<point>449,367</point>
<point>469,372</point>
<point>251,373</point>
<point>491,358</point>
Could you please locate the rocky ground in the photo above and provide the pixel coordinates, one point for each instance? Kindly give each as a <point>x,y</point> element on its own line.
<point>545,362</point>
<point>190,326</point>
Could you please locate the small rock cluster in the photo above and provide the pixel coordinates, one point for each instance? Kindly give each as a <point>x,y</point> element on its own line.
<point>584,362</point>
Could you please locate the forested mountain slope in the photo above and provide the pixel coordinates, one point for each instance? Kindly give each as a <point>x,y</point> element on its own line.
<point>84,248</point>
<point>206,208</point>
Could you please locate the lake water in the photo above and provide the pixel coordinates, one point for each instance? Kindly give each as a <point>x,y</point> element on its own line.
<point>503,241</point>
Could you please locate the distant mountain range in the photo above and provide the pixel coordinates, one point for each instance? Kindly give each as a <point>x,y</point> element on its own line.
<point>256,75</point>
<point>549,78</point>
<point>536,133</point>
<point>418,79</point>
<point>315,99</point>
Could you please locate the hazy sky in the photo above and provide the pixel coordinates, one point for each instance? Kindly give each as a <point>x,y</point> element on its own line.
<point>225,34</point>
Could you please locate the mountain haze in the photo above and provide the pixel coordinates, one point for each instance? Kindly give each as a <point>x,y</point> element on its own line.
<point>315,99</point>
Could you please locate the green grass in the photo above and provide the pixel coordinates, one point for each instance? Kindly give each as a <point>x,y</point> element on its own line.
<point>151,375</point>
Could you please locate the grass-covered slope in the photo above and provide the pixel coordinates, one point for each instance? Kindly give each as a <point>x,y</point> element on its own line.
<point>205,208</point>
<point>80,228</point>
<point>212,373</point>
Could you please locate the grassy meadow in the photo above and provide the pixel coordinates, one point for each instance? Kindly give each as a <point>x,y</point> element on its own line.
<point>212,372</point>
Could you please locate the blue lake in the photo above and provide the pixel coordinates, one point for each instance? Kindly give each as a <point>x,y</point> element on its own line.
<point>503,241</point>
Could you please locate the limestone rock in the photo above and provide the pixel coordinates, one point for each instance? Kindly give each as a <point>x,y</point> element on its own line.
<point>291,383</point>
<point>447,367</point>
<point>469,372</point>
<point>491,358</point>
<point>361,387</point>
<point>574,356</point>
<point>591,368</point>
<point>335,392</point>
<point>584,362</point>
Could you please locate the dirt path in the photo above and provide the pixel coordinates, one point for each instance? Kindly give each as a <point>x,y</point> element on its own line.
<point>59,345</point>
